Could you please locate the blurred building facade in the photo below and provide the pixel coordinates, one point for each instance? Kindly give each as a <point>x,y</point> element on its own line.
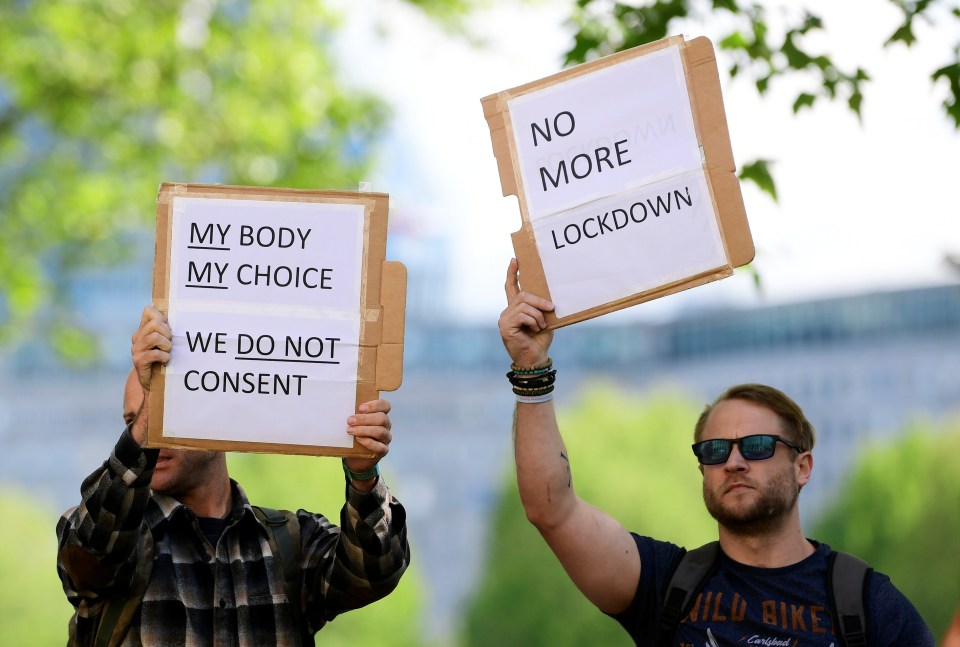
<point>861,366</point>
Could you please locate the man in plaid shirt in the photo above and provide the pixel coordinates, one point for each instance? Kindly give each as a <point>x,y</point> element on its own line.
<point>173,525</point>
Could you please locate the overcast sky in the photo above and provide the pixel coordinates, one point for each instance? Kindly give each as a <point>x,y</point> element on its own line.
<point>862,206</point>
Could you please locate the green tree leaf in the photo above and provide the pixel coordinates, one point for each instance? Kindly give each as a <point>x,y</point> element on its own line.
<point>759,173</point>
<point>804,100</point>
<point>951,73</point>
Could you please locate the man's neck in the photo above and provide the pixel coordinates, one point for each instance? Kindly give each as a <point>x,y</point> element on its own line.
<point>780,546</point>
<point>214,499</point>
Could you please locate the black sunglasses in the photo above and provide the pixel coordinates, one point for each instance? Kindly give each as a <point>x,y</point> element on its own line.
<point>753,448</point>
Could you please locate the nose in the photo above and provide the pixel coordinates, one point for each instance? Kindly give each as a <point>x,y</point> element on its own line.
<point>735,461</point>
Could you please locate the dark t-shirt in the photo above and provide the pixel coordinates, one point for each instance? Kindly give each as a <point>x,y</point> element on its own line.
<point>747,605</point>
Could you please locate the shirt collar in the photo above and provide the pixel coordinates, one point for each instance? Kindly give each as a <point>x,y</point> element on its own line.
<point>167,506</point>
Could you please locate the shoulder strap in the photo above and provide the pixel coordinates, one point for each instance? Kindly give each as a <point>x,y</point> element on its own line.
<point>118,611</point>
<point>846,590</point>
<point>688,578</point>
<point>283,532</point>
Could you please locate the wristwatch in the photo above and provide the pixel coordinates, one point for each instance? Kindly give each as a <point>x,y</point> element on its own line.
<point>365,475</point>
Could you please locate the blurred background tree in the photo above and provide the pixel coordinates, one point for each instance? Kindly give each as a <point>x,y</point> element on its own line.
<point>102,100</point>
<point>899,511</point>
<point>766,41</point>
<point>34,612</point>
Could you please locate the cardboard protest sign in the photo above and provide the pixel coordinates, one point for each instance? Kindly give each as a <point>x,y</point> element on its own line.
<point>285,316</point>
<point>625,177</point>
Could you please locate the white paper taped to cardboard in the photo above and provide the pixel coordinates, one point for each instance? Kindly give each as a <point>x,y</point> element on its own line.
<point>629,243</point>
<point>265,310</point>
<point>593,136</point>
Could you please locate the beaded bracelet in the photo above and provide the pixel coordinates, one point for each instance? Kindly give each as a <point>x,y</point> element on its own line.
<point>532,370</point>
<point>533,384</point>
<point>533,390</point>
<point>543,379</point>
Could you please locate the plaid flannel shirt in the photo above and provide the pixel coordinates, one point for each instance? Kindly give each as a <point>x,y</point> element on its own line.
<point>231,594</point>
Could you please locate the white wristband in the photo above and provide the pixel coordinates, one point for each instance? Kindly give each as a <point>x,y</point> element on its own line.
<point>535,399</point>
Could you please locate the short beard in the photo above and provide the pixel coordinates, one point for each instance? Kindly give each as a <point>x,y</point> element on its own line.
<point>763,516</point>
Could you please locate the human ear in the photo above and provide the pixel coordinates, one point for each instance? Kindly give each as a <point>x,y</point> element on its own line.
<point>804,468</point>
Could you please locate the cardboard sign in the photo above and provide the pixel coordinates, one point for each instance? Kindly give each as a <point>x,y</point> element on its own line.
<point>285,317</point>
<point>625,178</point>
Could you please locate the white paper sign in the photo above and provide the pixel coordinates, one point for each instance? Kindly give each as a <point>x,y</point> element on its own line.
<point>632,242</point>
<point>265,310</point>
<point>613,180</point>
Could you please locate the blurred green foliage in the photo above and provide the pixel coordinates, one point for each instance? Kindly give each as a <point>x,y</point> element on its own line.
<point>900,511</point>
<point>628,457</point>
<point>102,100</point>
<point>33,609</point>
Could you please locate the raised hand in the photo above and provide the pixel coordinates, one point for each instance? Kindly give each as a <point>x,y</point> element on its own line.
<point>523,327</point>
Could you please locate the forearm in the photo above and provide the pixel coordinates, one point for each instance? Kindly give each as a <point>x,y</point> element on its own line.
<point>370,555</point>
<point>114,498</point>
<point>544,477</point>
<point>374,520</point>
<point>594,549</point>
<point>98,539</point>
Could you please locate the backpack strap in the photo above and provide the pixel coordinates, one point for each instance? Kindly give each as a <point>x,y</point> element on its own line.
<point>119,611</point>
<point>688,577</point>
<point>283,532</point>
<point>846,590</point>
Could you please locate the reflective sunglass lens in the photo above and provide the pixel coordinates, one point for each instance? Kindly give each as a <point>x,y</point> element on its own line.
<point>715,451</point>
<point>757,447</point>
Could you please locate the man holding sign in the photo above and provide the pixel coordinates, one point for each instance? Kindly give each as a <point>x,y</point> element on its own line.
<point>764,583</point>
<point>165,549</point>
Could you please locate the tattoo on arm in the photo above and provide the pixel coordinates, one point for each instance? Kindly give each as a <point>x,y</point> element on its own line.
<point>569,473</point>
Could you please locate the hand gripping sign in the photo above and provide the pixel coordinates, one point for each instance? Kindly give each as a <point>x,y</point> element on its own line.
<point>625,178</point>
<point>285,316</point>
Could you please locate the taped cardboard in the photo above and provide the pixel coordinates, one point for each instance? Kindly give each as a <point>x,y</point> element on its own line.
<point>382,309</point>
<point>703,85</point>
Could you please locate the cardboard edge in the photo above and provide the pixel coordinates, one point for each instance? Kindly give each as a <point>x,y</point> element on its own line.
<point>358,451</point>
<point>706,96</point>
<point>494,111</point>
<point>394,301</point>
<point>161,295</point>
<point>532,277</point>
<point>656,293</point>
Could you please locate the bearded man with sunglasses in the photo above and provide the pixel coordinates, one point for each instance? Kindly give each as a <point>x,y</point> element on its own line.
<point>769,585</point>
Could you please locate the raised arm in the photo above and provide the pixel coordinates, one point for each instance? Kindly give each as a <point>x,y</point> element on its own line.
<point>101,539</point>
<point>598,554</point>
<point>362,560</point>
